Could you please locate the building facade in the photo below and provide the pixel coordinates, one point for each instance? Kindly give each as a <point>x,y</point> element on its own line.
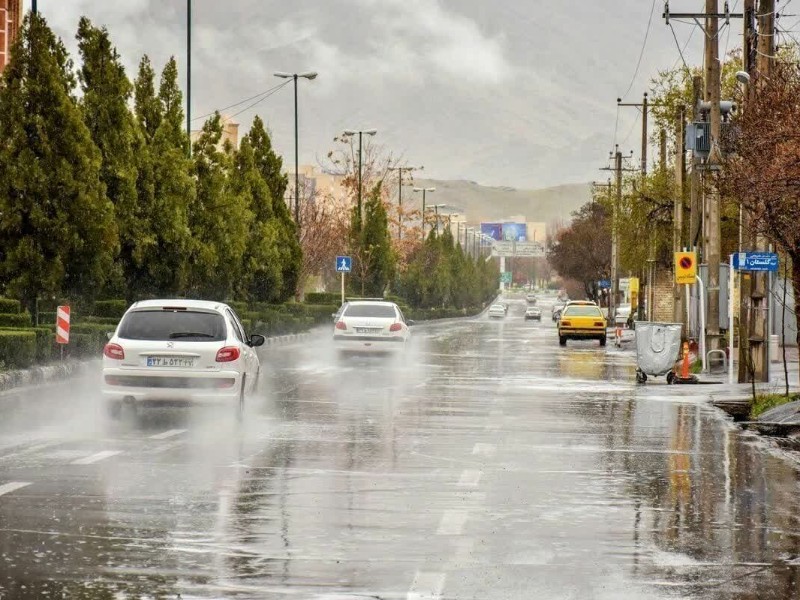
<point>11,16</point>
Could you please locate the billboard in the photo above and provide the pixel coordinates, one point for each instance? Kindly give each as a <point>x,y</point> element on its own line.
<point>515,232</point>
<point>493,230</point>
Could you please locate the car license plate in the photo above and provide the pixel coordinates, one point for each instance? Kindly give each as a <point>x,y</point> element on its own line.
<point>368,330</point>
<point>170,361</point>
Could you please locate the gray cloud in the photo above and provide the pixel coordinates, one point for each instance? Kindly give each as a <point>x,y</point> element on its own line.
<point>504,93</point>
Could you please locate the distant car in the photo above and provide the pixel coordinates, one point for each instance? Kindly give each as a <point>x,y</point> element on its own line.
<point>581,321</point>
<point>504,305</point>
<point>371,326</point>
<point>533,312</point>
<point>623,315</point>
<point>180,350</point>
<point>531,298</point>
<point>497,311</point>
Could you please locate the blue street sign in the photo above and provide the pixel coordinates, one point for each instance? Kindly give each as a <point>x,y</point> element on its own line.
<point>604,284</point>
<point>755,261</point>
<point>344,264</point>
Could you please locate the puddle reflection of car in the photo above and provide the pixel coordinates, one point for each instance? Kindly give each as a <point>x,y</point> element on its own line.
<point>497,311</point>
<point>533,313</point>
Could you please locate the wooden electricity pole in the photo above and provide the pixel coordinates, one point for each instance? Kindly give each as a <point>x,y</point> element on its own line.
<point>678,310</point>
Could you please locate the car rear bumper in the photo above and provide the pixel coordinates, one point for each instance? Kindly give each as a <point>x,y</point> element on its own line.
<point>190,387</point>
<point>582,334</point>
<point>369,344</point>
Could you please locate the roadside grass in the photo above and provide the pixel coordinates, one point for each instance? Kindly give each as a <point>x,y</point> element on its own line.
<point>765,402</point>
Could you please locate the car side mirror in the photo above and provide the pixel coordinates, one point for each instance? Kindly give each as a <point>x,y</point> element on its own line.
<point>256,340</point>
<point>109,335</point>
<point>411,323</point>
<point>333,315</point>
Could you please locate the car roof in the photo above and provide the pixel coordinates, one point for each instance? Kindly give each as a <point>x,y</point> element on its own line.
<point>370,302</point>
<point>179,303</point>
<point>581,303</point>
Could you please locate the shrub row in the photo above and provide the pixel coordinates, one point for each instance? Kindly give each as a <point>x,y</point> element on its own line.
<point>18,320</point>
<point>324,298</point>
<point>10,306</point>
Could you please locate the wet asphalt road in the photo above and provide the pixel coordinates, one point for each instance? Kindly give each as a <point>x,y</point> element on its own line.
<point>489,464</point>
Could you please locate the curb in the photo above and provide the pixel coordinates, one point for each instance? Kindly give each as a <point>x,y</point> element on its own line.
<point>19,378</point>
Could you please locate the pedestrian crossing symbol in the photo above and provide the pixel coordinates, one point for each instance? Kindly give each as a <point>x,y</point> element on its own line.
<point>344,264</point>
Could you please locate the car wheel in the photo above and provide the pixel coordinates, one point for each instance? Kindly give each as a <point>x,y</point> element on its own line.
<point>562,341</point>
<point>603,341</point>
<point>240,408</point>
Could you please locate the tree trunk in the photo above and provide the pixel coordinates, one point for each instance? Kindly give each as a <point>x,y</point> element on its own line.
<point>795,256</point>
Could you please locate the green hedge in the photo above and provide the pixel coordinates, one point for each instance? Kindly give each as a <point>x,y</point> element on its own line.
<point>10,306</point>
<point>111,322</point>
<point>238,307</point>
<point>17,348</point>
<point>324,298</point>
<point>47,318</point>
<point>429,314</point>
<point>46,347</point>
<point>110,308</point>
<point>16,320</point>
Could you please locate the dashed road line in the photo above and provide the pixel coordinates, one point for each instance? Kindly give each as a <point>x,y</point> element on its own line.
<point>93,458</point>
<point>167,434</point>
<point>452,522</point>
<point>485,449</point>
<point>427,585</point>
<point>13,486</point>
<point>470,478</point>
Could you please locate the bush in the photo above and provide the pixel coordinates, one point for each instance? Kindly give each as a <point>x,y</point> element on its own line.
<point>110,322</point>
<point>17,320</point>
<point>17,348</point>
<point>10,306</point>
<point>47,318</point>
<point>238,307</point>
<point>324,298</point>
<point>321,313</point>
<point>110,308</point>
<point>765,402</point>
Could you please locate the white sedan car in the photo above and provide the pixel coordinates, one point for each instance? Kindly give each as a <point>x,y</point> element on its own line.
<point>371,326</point>
<point>497,311</point>
<point>180,351</point>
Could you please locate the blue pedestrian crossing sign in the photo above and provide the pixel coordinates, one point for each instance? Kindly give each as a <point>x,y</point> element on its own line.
<point>344,264</point>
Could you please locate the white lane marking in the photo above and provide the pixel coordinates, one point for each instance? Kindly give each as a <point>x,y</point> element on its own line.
<point>12,486</point>
<point>470,478</point>
<point>89,460</point>
<point>481,448</point>
<point>167,434</point>
<point>427,585</point>
<point>452,522</point>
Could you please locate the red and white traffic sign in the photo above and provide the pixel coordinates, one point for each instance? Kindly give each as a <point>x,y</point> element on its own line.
<point>62,325</point>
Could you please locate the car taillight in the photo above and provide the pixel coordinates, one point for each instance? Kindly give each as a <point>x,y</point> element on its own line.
<point>396,327</point>
<point>228,354</point>
<point>565,323</point>
<point>114,351</point>
<point>599,324</point>
<point>340,325</point>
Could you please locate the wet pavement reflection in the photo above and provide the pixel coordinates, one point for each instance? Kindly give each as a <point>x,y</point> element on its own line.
<point>488,463</point>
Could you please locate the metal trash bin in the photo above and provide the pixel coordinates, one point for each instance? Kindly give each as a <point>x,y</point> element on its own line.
<point>658,346</point>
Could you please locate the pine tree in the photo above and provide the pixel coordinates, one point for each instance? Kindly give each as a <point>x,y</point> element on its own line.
<point>220,220</point>
<point>106,92</point>
<point>147,105</point>
<point>270,165</point>
<point>57,224</point>
<point>373,246</point>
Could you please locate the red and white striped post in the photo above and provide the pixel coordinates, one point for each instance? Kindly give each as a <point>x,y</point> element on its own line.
<point>62,327</point>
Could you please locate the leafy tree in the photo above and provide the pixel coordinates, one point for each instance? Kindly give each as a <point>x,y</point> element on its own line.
<point>583,250</point>
<point>270,165</point>
<point>106,92</point>
<point>164,188</point>
<point>372,246</point>
<point>56,224</point>
<point>220,219</point>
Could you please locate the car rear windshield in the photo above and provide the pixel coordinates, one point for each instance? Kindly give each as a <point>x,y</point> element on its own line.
<point>177,325</point>
<point>380,311</point>
<point>582,311</point>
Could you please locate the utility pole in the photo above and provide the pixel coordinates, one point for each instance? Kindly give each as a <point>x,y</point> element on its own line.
<point>188,72</point>
<point>759,327</point>
<point>695,200</point>
<point>678,309</point>
<point>400,197</point>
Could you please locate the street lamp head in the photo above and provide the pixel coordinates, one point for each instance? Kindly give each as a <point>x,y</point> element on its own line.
<point>370,131</point>
<point>743,77</point>
<point>349,132</point>
<point>308,75</point>
<point>283,75</point>
<point>431,189</point>
<point>416,189</point>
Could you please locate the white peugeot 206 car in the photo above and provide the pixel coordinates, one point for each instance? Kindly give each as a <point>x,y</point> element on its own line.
<point>180,351</point>
<point>371,326</point>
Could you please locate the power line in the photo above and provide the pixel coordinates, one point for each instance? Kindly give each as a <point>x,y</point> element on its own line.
<point>260,100</point>
<point>270,91</point>
<point>641,52</point>
<point>677,43</point>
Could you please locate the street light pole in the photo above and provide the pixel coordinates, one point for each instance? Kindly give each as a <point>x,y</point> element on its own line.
<point>424,192</point>
<point>33,7</point>
<point>188,72</point>
<point>400,197</point>
<point>295,76</point>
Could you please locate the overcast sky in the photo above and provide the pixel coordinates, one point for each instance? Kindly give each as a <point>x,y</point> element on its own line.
<point>503,92</point>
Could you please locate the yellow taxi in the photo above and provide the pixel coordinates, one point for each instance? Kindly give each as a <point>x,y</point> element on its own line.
<point>581,320</point>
